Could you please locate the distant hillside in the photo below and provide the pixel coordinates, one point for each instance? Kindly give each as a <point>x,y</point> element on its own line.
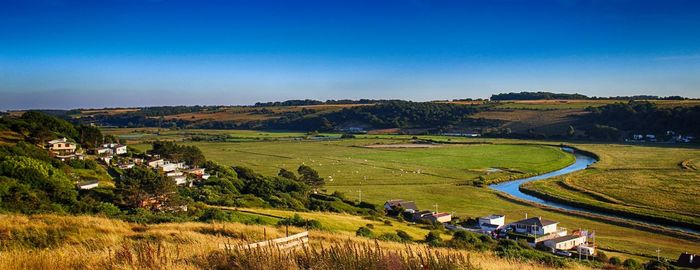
<point>540,115</point>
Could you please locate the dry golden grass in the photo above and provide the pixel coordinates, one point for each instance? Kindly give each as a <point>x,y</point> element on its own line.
<point>87,242</point>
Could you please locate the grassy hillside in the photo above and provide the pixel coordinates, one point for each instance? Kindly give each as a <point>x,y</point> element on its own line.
<point>85,242</point>
<point>653,181</point>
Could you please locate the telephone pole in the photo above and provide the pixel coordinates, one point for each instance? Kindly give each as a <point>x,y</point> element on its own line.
<point>360,195</point>
<point>436,207</point>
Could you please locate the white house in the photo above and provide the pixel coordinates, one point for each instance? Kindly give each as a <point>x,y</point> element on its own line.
<point>180,180</point>
<point>536,226</point>
<point>491,223</point>
<point>88,184</point>
<point>440,217</point>
<point>156,163</point>
<point>62,147</point>
<point>104,151</point>
<point>117,149</point>
<point>169,167</point>
<point>126,166</point>
<point>565,242</point>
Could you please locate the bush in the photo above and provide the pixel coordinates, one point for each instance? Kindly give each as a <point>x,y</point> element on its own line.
<point>404,236</point>
<point>371,226</point>
<point>364,232</point>
<point>298,221</point>
<point>387,222</point>
<point>615,261</point>
<point>632,264</point>
<point>389,237</point>
<point>601,256</point>
<point>433,238</point>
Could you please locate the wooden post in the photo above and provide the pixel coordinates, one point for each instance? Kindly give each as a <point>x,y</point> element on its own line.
<point>265,233</point>
<point>286,228</point>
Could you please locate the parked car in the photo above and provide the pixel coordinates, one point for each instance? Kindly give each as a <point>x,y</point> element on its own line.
<point>562,253</point>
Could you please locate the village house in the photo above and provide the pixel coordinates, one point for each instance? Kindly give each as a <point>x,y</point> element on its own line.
<point>103,151</point>
<point>565,242</point>
<point>63,149</point>
<point>127,166</point>
<point>536,226</point>
<point>407,206</point>
<point>116,148</point>
<point>421,214</point>
<point>88,184</point>
<point>439,217</point>
<point>491,223</point>
<point>156,163</point>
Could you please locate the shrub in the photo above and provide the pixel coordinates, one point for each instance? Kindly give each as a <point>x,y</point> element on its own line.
<point>389,237</point>
<point>615,261</point>
<point>433,238</point>
<point>298,221</point>
<point>404,236</point>
<point>387,222</point>
<point>364,232</point>
<point>632,264</point>
<point>371,226</point>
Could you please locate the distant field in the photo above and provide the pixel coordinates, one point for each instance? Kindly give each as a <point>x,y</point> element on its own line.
<point>581,104</point>
<point>637,179</point>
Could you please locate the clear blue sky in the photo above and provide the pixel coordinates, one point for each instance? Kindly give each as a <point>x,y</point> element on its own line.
<point>108,53</point>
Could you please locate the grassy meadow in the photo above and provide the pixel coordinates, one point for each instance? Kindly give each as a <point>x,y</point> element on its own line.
<point>435,176</point>
<point>653,180</point>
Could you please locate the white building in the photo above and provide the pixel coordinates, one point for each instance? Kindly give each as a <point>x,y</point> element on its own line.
<point>565,242</point>
<point>117,149</point>
<point>536,226</point>
<point>88,184</point>
<point>491,223</point>
<point>157,163</point>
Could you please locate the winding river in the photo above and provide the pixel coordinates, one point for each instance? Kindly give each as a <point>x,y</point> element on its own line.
<point>582,162</point>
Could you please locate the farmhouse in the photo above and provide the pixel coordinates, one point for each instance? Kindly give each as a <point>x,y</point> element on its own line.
<point>117,149</point>
<point>393,205</point>
<point>103,151</point>
<point>62,148</point>
<point>156,163</point>
<point>565,242</point>
<point>88,184</point>
<point>439,217</point>
<point>536,226</point>
<point>491,223</point>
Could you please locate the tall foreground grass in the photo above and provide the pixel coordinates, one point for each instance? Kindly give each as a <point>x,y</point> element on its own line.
<point>86,242</point>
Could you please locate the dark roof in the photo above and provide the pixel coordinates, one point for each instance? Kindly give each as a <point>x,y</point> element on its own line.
<point>408,205</point>
<point>536,221</point>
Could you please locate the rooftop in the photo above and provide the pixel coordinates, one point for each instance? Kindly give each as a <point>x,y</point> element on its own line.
<point>539,221</point>
<point>565,238</point>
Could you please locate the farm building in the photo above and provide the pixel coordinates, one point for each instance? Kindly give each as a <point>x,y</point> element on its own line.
<point>88,184</point>
<point>439,217</point>
<point>536,226</point>
<point>565,242</point>
<point>117,149</point>
<point>408,206</point>
<point>491,223</point>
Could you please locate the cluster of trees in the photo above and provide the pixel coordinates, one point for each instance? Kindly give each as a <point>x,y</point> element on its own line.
<point>389,114</point>
<point>181,153</point>
<point>536,96</point>
<point>550,95</point>
<point>615,121</point>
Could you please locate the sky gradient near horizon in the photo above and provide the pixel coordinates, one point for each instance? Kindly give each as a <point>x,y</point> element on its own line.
<point>57,54</point>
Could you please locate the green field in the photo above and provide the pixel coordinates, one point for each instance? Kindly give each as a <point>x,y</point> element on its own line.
<point>389,173</point>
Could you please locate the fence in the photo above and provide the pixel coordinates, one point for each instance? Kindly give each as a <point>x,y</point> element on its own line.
<point>292,241</point>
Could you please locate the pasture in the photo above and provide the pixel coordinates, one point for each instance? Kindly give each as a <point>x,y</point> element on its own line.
<point>649,180</point>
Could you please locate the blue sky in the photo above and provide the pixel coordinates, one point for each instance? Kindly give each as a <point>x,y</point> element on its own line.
<point>111,53</point>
